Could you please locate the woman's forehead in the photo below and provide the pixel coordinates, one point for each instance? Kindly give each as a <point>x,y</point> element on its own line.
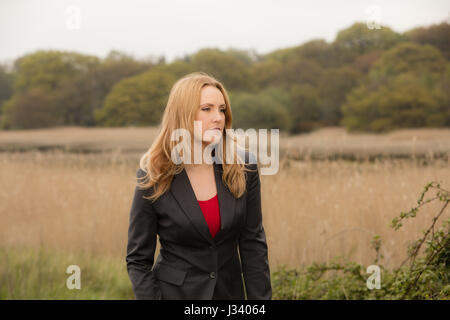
<point>211,95</point>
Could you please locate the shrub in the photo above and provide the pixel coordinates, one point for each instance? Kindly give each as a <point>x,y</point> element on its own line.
<point>424,276</point>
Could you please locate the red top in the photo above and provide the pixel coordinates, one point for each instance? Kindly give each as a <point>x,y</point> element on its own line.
<point>211,212</point>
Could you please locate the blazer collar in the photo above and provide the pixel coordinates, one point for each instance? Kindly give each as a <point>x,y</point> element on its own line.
<point>183,193</point>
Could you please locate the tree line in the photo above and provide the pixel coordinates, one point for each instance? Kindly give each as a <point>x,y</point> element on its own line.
<point>371,80</point>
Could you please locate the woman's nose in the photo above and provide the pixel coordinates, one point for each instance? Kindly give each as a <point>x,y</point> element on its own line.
<point>217,115</point>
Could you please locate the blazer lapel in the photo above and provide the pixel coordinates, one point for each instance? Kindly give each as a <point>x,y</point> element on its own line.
<point>227,203</point>
<point>183,193</point>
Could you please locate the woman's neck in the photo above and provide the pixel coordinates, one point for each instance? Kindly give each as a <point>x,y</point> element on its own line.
<point>205,165</point>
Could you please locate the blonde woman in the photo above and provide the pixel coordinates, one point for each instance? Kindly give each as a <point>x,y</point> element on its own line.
<point>207,215</point>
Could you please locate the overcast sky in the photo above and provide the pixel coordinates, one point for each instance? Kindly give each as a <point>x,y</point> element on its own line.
<point>173,28</point>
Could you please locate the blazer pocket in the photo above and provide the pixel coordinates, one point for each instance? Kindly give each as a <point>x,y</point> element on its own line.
<point>169,274</point>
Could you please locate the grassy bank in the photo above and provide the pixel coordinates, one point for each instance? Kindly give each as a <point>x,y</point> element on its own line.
<point>30,273</point>
<point>41,273</point>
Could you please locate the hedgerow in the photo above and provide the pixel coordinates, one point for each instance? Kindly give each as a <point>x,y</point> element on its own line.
<point>424,274</point>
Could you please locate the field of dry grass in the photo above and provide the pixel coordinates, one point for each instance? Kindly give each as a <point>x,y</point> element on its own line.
<point>325,143</point>
<point>78,139</point>
<point>313,210</point>
<point>331,143</point>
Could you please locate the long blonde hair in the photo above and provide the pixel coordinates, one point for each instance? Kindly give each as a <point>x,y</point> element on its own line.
<point>183,102</point>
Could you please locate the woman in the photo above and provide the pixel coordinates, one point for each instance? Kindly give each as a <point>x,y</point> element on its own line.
<point>208,215</point>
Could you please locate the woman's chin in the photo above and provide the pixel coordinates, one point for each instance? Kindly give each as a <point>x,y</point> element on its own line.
<point>213,140</point>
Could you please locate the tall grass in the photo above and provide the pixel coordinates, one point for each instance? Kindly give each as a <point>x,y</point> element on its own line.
<point>40,273</point>
<point>312,210</point>
<point>56,207</point>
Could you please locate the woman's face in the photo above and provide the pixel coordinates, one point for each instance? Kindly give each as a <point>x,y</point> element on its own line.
<point>211,113</point>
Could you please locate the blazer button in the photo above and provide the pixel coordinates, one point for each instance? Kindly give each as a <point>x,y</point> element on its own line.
<point>212,275</point>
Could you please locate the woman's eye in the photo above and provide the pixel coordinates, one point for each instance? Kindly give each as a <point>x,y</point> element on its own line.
<point>207,109</point>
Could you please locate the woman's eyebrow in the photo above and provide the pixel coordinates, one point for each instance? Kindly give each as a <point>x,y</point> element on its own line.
<point>212,105</point>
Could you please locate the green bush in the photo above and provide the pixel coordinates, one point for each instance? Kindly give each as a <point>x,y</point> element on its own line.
<point>139,100</point>
<point>405,88</point>
<point>423,276</point>
<point>267,109</point>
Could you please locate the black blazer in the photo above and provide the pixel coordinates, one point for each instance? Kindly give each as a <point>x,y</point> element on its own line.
<point>191,263</point>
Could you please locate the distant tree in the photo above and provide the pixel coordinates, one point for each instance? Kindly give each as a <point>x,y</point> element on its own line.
<point>441,94</point>
<point>301,71</point>
<point>6,83</point>
<point>404,101</point>
<point>6,86</point>
<point>407,57</point>
<point>334,85</point>
<point>247,57</point>
<point>437,35</point>
<point>304,109</point>
<point>46,69</point>
<point>177,68</point>
<point>138,101</point>
<point>31,110</point>
<point>350,43</point>
<point>84,93</point>
<point>227,67</point>
<point>296,65</point>
<point>399,91</point>
<point>264,110</point>
<point>373,79</point>
<point>267,72</point>
<point>326,55</point>
<point>358,39</point>
<point>282,55</point>
<point>115,67</point>
<point>364,62</point>
<point>318,50</point>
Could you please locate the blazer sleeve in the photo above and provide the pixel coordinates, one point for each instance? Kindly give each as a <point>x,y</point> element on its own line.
<point>252,244</point>
<point>141,245</point>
